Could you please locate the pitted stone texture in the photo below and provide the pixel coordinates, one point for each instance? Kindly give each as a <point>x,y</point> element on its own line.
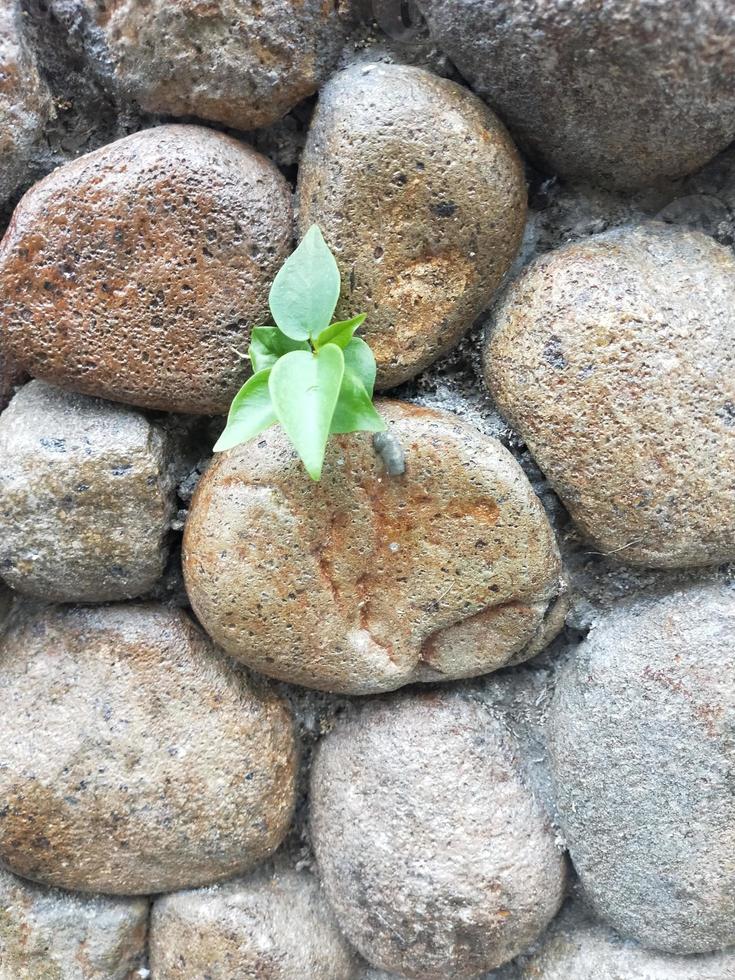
<point>365,582</point>
<point>86,497</point>
<point>238,62</point>
<point>436,858</point>
<point>25,102</point>
<point>274,925</point>
<point>622,92</point>
<point>615,360</point>
<point>642,755</point>
<point>420,192</point>
<point>47,934</point>
<point>132,272</point>
<point>576,947</point>
<point>134,758</point>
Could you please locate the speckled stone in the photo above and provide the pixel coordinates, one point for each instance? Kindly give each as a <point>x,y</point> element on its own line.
<point>420,192</point>
<point>365,582</point>
<point>435,856</point>
<point>614,358</point>
<point>134,272</point>
<point>238,62</point>
<point>86,497</point>
<point>47,934</point>
<point>622,92</point>
<point>641,745</point>
<point>273,925</point>
<point>135,758</point>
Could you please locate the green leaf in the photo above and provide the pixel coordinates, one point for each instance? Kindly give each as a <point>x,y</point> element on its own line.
<point>267,344</point>
<point>304,390</point>
<point>305,291</point>
<point>361,361</point>
<point>355,411</point>
<point>339,333</point>
<point>250,413</point>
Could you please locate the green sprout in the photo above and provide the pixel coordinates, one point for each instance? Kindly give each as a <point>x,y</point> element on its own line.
<point>314,377</point>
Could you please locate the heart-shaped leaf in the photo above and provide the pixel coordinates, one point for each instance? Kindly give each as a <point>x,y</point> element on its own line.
<point>361,361</point>
<point>304,390</point>
<point>250,413</point>
<point>355,411</point>
<point>305,291</point>
<point>267,344</point>
<point>339,333</point>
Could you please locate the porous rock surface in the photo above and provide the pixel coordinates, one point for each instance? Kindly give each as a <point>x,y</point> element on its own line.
<point>133,757</point>
<point>420,192</point>
<point>273,925</point>
<point>622,92</point>
<point>366,582</point>
<point>243,63</point>
<point>136,271</point>
<point>48,934</point>
<point>641,745</point>
<point>25,101</point>
<point>435,856</point>
<point>86,497</point>
<point>614,358</point>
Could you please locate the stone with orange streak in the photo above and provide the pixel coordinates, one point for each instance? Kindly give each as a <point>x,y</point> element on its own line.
<point>365,582</point>
<point>136,271</point>
<point>135,759</point>
<point>420,192</point>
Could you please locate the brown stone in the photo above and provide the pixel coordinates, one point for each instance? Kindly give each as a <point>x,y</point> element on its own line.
<point>614,358</point>
<point>419,190</point>
<point>365,582</point>
<point>437,859</point>
<point>273,925</point>
<point>47,934</point>
<point>135,758</point>
<point>135,271</point>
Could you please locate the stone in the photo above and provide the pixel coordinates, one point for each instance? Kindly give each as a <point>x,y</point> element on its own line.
<point>274,925</point>
<point>365,582</point>
<point>135,272</point>
<point>86,497</point>
<point>614,358</point>
<point>420,192</point>
<point>642,754</point>
<point>25,101</point>
<point>623,92</point>
<point>135,759</point>
<point>243,64</point>
<point>47,934</point>
<point>436,857</point>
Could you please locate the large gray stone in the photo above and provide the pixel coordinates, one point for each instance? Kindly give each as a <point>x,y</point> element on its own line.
<point>642,751</point>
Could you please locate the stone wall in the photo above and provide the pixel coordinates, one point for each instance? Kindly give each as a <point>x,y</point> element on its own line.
<point>473,720</point>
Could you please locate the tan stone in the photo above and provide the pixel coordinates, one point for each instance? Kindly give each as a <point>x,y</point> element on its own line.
<point>436,858</point>
<point>132,272</point>
<point>273,925</point>
<point>419,190</point>
<point>134,757</point>
<point>366,582</point>
<point>614,358</point>
<point>47,934</point>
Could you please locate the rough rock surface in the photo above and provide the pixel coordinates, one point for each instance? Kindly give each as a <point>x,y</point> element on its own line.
<point>47,934</point>
<point>134,271</point>
<point>273,925</point>
<point>622,91</point>
<point>420,192</point>
<point>365,582</point>
<point>614,358</point>
<point>135,758</point>
<point>238,62</point>
<point>86,497</point>
<point>436,858</point>
<point>25,102</point>
<point>642,755</point>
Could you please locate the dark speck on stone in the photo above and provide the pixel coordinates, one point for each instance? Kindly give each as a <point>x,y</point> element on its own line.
<point>553,353</point>
<point>444,209</point>
<point>727,413</point>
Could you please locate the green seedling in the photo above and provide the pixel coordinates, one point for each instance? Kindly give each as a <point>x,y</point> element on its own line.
<point>314,377</point>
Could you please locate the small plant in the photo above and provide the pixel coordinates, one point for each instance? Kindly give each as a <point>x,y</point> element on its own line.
<point>314,377</point>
